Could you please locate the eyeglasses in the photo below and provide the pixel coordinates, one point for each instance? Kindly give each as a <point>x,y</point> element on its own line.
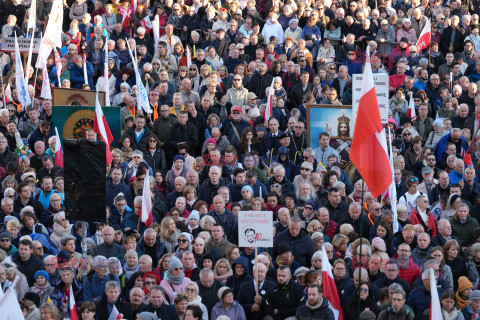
<point>182,240</point>
<point>404,250</point>
<point>333,68</point>
<point>302,60</point>
<point>150,283</point>
<point>407,134</point>
<point>351,54</point>
<point>391,270</point>
<point>414,179</point>
<point>4,240</point>
<point>152,140</point>
<point>306,157</point>
<point>190,290</point>
<point>305,169</point>
<point>364,290</point>
<point>156,63</point>
<point>182,153</point>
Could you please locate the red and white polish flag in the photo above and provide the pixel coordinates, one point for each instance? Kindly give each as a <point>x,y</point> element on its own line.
<point>435,309</point>
<point>147,215</point>
<point>101,127</point>
<point>58,150</point>
<point>369,144</point>
<point>329,287</point>
<point>269,105</point>
<point>73,307</point>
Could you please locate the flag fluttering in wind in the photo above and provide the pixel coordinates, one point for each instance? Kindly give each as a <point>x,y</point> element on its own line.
<point>368,151</point>
<point>101,127</point>
<point>73,307</point>
<point>20,83</point>
<point>142,96</point>
<point>52,37</point>
<point>411,108</point>
<point>147,215</point>
<point>46,92</point>
<point>425,37</point>
<point>329,288</point>
<point>58,150</point>
<point>392,190</point>
<point>105,74</point>
<point>435,309</point>
<point>115,315</point>
<point>269,105</point>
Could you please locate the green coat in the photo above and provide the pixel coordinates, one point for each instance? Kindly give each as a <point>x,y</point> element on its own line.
<point>464,231</point>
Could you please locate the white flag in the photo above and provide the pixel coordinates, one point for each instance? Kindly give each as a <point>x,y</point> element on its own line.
<point>29,59</point>
<point>156,31</point>
<point>10,306</point>
<point>142,97</point>
<point>46,88</point>
<point>22,88</point>
<point>435,309</point>
<point>269,105</point>
<point>392,190</point>
<point>189,57</point>
<point>52,32</point>
<point>105,70</point>
<point>32,18</point>
<point>85,76</point>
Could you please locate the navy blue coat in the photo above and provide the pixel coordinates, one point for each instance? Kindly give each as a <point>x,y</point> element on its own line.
<point>301,245</point>
<point>114,190</point>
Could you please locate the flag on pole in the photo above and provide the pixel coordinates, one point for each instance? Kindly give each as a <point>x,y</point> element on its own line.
<point>147,24</point>
<point>115,315</point>
<point>100,126</point>
<point>32,18</point>
<point>85,76</point>
<point>58,64</point>
<point>147,216</point>
<point>411,108</point>
<point>435,309</point>
<point>368,151</point>
<point>425,36</point>
<point>10,306</point>
<point>58,150</point>
<point>29,59</point>
<point>20,83</point>
<point>269,105</point>
<point>125,19</point>
<point>392,190</point>
<point>189,57</point>
<point>133,5</point>
<point>46,92</point>
<point>329,288</point>
<point>156,31</point>
<point>105,74</point>
<point>142,96</point>
<point>73,307</point>
<point>52,36</point>
<point>467,158</point>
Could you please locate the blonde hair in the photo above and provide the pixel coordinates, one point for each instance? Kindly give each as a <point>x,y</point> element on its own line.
<point>222,260</point>
<point>164,226</point>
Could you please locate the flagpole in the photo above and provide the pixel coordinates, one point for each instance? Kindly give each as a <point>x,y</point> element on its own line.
<point>359,307</point>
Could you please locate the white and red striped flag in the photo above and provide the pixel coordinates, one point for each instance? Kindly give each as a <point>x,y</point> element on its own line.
<point>101,127</point>
<point>435,309</point>
<point>58,64</point>
<point>411,108</point>
<point>73,307</point>
<point>115,315</point>
<point>58,150</point>
<point>369,144</point>
<point>329,288</point>
<point>269,105</point>
<point>147,24</point>
<point>133,5</point>
<point>126,19</point>
<point>425,36</point>
<point>147,215</point>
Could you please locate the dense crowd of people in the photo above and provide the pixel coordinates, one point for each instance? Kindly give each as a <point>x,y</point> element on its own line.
<point>209,149</point>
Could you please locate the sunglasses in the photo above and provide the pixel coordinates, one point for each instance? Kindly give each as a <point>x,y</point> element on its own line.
<point>305,169</point>
<point>414,179</point>
<point>5,240</point>
<point>236,113</point>
<point>182,240</point>
<point>151,283</point>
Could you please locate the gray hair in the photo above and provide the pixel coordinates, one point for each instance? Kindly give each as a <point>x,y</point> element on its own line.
<point>137,200</point>
<point>7,191</point>
<point>206,273</point>
<point>6,199</point>
<point>131,253</point>
<point>112,284</point>
<point>426,274</point>
<point>67,238</point>
<point>150,231</point>
<point>279,169</point>
<point>98,261</point>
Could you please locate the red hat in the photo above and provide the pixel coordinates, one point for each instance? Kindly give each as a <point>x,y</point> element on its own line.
<point>237,109</point>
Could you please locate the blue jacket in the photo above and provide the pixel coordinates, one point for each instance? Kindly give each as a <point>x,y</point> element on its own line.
<point>131,221</point>
<point>235,311</point>
<point>419,300</point>
<point>76,76</point>
<point>301,245</point>
<point>160,248</point>
<point>441,146</point>
<point>311,32</point>
<point>115,218</point>
<point>114,190</point>
<point>35,136</point>
<point>227,130</point>
<point>95,287</point>
<point>353,67</point>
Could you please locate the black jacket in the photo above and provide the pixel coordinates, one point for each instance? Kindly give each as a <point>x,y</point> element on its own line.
<point>286,298</point>
<point>142,144</point>
<point>301,245</point>
<point>187,133</point>
<point>210,295</point>
<point>37,206</point>
<point>445,40</point>
<point>156,161</point>
<point>259,83</point>
<point>28,268</point>
<point>296,95</point>
<point>246,297</point>
<point>123,307</point>
<point>321,312</point>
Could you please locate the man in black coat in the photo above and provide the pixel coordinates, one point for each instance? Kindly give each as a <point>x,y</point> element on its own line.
<point>391,276</point>
<point>139,133</point>
<point>316,307</point>
<point>452,37</point>
<point>299,241</point>
<point>27,262</point>
<point>255,304</point>
<point>25,198</point>
<point>183,131</point>
<point>109,299</point>
<point>260,81</point>
<point>283,301</point>
<point>299,90</point>
<point>159,306</point>
<point>208,287</point>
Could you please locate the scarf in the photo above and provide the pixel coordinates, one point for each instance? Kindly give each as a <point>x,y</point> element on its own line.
<point>175,280</point>
<point>127,152</point>
<point>223,112</point>
<point>137,186</point>
<point>176,172</point>
<point>449,315</point>
<point>224,277</point>
<point>72,32</point>
<point>130,271</point>
<point>281,262</point>
<point>475,315</point>
<point>41,290</point>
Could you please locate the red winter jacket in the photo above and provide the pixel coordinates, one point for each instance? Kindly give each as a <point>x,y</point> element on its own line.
<point>330,231</point>
<point>430,228</point>
<point>409,271</point>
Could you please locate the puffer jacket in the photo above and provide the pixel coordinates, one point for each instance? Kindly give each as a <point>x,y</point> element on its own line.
<point>464,231</point>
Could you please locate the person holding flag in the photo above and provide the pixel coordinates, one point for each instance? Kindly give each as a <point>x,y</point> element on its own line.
<point>113,306</point>
<point>68,293</point>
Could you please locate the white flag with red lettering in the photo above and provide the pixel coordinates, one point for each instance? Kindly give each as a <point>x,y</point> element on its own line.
<point>424,40</point>
<point>329,288</point>
<point>46,92</point>
<point>147,24</point>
